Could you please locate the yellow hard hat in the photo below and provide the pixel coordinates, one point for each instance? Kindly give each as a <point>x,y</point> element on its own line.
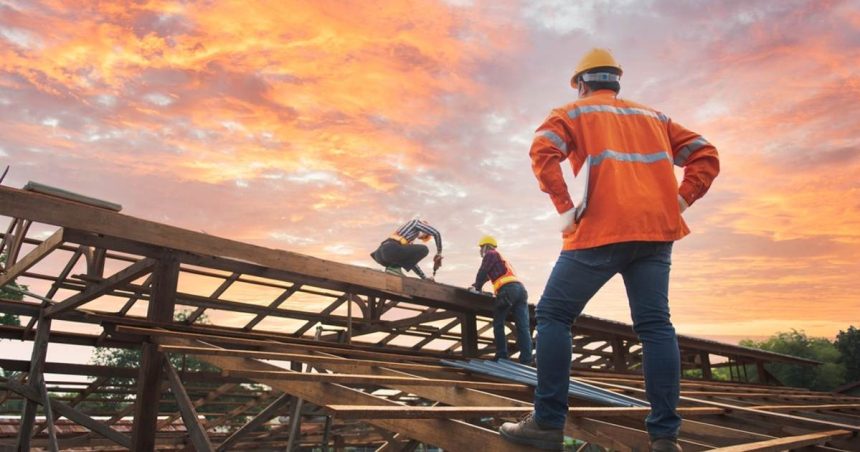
<point>488,240</point>
<point>595,58</point>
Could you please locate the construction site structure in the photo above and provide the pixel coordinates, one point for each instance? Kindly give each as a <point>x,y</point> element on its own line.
<point>302,353</point>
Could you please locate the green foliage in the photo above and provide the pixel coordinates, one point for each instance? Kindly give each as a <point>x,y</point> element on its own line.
<point>130,358</point>
<point>124,357</point>
<point>11,291</point>
<point>825,377</point>
<point>848,343</point>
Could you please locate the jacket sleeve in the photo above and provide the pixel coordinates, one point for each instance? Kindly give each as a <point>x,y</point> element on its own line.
<point>698,157</point>
<point>484,272</point>
<point>437,236</point>
<point>551,146</point>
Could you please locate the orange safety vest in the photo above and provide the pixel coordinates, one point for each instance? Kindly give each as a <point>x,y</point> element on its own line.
<point>507,277</point>
<point>630,149</point>
<point>399,238</point>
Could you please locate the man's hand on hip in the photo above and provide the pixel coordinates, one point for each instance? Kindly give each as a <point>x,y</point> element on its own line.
<point>567,221</point>
<point>682,204</point>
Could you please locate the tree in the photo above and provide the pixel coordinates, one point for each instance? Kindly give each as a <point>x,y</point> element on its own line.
<point>130,358</point>
<point>827,376</point>
<point>848,343</point>
<point>11,291</point>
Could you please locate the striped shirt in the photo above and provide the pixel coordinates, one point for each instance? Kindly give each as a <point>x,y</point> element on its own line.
<point>412,229</point>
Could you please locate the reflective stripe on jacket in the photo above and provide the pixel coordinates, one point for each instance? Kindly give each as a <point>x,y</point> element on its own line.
<point>632,189</point>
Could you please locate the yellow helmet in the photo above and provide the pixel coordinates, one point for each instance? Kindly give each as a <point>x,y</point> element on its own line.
<point>488,240</point>
<point>595,58</point>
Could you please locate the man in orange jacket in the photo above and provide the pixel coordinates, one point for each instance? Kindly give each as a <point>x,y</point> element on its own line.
<point>627,223</point>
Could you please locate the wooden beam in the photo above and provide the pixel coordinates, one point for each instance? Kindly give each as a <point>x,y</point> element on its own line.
<point>72,414</point>
<point>216,294</point>
<point>469,334</point>
<point>354,379</point>
<point>119,278</point>
<point>823,407</point>
<point>770,416</point>
<point>281,356</point>
<point>791,442</point>
<point>33,257</point>
<point>161,305</point>
<point>445,433</point>
<point>258,420</point>
<point>460,412</point>
<point>273,306</point>
<point>49,416</point>
<point>280,343</point>
<point>36,380</point>
<point>189,415</point>
<point>45,209</point>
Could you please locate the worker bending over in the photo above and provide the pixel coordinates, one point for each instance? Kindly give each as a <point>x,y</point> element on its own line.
<point>398,252</point>
<point>511,297</point>
<point>628,225</point>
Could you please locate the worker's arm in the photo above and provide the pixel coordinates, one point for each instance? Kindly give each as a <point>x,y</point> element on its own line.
<point>417,270</point>
<point>484,272</point>
<point>551,146</point>
<point>427,229</point>
<point>698,157</point>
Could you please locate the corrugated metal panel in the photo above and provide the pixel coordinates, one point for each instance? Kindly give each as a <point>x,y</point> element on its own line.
<point>515,372</point>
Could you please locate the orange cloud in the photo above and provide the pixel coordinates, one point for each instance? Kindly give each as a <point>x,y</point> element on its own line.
<point>243,89</point>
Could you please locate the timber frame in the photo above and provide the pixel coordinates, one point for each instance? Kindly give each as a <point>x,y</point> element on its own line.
<point>308,353</point>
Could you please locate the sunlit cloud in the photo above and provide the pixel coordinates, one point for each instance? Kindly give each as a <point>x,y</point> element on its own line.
<point>319,127</point>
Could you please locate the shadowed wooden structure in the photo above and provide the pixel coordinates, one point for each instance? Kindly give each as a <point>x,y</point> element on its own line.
<point>308,353</point>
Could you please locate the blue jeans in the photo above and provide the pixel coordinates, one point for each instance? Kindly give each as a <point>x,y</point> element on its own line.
<point>512,297</point>
<point>576,277</point>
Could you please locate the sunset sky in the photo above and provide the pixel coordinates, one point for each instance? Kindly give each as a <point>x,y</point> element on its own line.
<point>318,127</point>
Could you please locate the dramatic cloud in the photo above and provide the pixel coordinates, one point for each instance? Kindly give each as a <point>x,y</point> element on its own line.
<point>317,127</point>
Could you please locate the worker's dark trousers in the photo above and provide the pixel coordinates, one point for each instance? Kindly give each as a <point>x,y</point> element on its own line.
<point>393,254</point>
<point>512,299</point>
<point>576,277</point>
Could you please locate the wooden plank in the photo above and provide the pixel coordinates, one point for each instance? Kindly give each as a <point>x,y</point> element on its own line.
<point>189,414</point>
<point>281,356</point>
<point>774,417</point>
<point>49,416</point>
<point>33,257</point>
<point>161,305</point>
<point>36,380</point>
<point>72,414</point>
<point>460,412</point>
<point>71,196</point>
<point>258,420</point>
<point>119,278</point>
<point>278,344</point>
<point>823,407</point>
<point>356,379</point>
<point>445,433</point>
<point>593,430</point>
<point>45,209</point>
<point>791,442</point>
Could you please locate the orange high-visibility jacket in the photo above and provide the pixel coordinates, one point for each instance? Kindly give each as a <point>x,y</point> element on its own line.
<point>632,189</point>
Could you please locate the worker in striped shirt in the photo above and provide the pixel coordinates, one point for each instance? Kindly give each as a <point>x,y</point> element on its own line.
<point>398,252</point>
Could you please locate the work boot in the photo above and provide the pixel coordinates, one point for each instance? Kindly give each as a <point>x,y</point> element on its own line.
<point>665,445</point>
<point>527,432</point>
<point>394,271</point>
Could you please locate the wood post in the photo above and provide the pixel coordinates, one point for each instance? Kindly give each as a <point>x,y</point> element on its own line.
<point>706,365</point>
<point>469,327</point>
<point>161,306</point>
<point>36,380</point>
